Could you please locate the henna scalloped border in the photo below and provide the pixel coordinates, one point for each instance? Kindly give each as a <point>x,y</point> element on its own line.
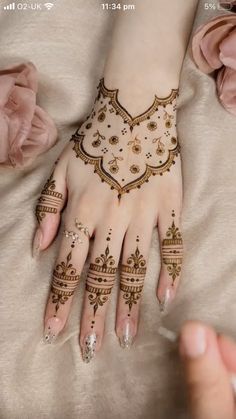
<point>106,177</point>
<point>132,121</point>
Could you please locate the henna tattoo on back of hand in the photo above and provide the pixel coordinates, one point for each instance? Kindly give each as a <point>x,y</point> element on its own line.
<point>146,144</point>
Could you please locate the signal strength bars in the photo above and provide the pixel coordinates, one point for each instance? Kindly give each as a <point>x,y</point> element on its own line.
<point>11,6</point>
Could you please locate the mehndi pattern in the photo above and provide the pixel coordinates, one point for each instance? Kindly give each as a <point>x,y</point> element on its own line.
<point>65,281</point>
<point>132,278</point>
<point>101,278</point>
<point>172,250</point>
<point>49,201</point>
<point>112,140</point>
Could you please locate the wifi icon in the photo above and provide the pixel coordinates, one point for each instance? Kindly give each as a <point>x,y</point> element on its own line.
<point>49,6</point>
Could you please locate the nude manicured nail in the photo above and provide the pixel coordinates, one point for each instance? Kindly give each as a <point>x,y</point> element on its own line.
<point>52,329</point>
<point>37,243</point>
<point>126,340</point>
<point>165,301</point>
<point>193,341</point>
<point>88,351</point>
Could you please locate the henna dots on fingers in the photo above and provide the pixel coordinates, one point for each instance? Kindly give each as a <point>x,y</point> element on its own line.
<point>172,250</point>
<point>115,141</point>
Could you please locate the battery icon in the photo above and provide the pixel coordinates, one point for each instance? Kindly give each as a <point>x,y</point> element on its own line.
<point>11,6</point>
<point>225,5</point>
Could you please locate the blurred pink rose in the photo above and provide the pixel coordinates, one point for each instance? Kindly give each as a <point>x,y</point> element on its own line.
<point>214,48</point>
<point>26,129</point>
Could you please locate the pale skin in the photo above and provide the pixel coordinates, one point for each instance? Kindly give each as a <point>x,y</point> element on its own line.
<point>140,68</point>
<point>209,361</point>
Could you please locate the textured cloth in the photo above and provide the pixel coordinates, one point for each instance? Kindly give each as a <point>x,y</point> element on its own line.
<point>68,46</point>
<point>26,130</point>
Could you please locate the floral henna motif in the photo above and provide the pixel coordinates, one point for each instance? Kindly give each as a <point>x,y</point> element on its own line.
<point>172,250</point>
<point>50,200</point>
<point>101,278</point>
<point>147,142</point>
<point>132,278</point>
<point>65,281</point>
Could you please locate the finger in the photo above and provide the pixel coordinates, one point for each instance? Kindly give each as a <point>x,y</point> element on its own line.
<point>132,276</point>
<point>100,280</point>
<point>49,206</point>
<point>171,246</point>
<point>227,349</point>
<point>209,388</point>
<point>66,276</point>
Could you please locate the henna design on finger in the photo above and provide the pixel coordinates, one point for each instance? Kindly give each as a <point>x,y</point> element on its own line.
<point>101,278</point>
<point>65,281</point>
<point>132,278</point>
<point>172,250</point>
<point>142,138</point>
<point>49,201</point>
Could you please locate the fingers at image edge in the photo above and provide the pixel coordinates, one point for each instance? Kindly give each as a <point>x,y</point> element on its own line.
<point>208,381</point>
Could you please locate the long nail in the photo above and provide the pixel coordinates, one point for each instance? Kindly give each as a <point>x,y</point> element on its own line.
<point>126,340</point>
<point>37,243</point>
<point>88,351</point>
<point>168,334</point>
<point>164,303</point>
<point>193,341</point>
<point>52,329</point>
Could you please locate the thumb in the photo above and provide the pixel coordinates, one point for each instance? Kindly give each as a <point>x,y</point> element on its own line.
<point>210,392</point>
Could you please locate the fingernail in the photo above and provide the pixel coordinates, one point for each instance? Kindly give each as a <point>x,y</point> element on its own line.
<point>193,341</point>
<point>89,347</point>
<point>126,340</point>
<point>37,243</point>
<point>165,301</point>
<point>52,329</point>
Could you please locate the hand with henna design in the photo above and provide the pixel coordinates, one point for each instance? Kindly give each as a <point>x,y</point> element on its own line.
<point>119,178</point>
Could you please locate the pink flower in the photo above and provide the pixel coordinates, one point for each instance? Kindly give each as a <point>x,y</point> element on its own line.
<point>26,129</point>
<point>214,48</point>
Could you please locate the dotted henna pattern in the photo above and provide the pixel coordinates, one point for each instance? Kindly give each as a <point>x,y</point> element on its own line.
<point>112,140</point>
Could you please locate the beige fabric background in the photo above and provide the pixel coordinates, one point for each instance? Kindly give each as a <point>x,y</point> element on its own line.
<point>68,46</point>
